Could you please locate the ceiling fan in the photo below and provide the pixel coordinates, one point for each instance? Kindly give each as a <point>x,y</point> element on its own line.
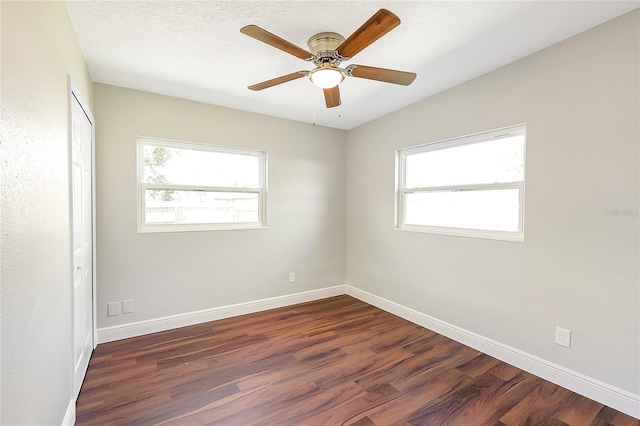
<point>328,50</point>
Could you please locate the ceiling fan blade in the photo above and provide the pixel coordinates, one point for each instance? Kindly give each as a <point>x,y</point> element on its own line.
<point>332,97</point>
<point>275,41</point>
<point>382,74</point>
<point>378,25</point>
<point>279,80</point>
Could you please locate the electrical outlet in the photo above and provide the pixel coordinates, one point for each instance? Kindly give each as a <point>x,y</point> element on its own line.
<point>563,337</point>
<point>127,306</point>
<point>114,309</point>
<point>292,277</point>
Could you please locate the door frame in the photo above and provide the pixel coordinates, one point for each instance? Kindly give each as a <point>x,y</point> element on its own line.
<point>74,92</point>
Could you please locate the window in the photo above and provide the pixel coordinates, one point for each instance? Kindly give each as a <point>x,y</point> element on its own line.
<point>470,186</point>
<point>185,186</point>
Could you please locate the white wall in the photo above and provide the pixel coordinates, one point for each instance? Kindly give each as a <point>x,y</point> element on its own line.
<point>176,273</point>
<point>39,49</point>
<point>578,268</point>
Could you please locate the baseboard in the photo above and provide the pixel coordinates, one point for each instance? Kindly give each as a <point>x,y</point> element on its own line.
<point>139,328</point>
<point>611,396</point>
<point>70,414</point>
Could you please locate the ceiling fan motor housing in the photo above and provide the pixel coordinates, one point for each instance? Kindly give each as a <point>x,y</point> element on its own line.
<point>323,46</point>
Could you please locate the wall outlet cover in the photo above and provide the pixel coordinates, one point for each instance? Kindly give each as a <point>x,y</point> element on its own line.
<point>127,306</point>
<point>114,309</point>
<point>563,337</point>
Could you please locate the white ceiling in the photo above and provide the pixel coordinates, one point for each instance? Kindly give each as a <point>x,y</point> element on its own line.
<point>194,49</point>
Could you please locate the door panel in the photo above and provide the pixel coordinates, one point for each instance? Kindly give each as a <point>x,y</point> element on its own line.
<point>82,219</point>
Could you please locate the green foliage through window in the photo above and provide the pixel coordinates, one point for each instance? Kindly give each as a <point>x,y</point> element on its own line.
<point>155,157</point>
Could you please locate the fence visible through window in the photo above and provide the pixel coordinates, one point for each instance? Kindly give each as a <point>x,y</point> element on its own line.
<point>177,214</point>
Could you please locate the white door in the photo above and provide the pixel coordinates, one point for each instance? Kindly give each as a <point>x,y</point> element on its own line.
<point>82,230</point>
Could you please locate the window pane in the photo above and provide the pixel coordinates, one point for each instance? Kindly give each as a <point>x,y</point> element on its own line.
<point>491,209</point>
<point>190,207</point>
<point>193,167</point>
<point>499,160</point>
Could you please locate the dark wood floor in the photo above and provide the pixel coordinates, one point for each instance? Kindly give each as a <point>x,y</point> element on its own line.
<point>336,361</point>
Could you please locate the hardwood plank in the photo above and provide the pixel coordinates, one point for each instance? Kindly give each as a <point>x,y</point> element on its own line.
<point>336,361</point>
<point>609,416</point>
<point>422,396</point>
<point>579,410</point>
<point>534,407</point>
<point>504,371</point>
<point>478,366</point>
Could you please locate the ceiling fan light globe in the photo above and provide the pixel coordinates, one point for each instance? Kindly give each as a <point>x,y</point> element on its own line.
<point>326,78</point>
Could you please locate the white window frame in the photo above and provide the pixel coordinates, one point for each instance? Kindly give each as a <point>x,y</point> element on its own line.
<point>402,190</point>
<point>143,227</point>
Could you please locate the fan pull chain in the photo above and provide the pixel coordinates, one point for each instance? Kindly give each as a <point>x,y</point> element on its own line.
<point>315,99</point>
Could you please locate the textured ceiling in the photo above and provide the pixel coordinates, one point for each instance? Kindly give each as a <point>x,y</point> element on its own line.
<point>194,49</point>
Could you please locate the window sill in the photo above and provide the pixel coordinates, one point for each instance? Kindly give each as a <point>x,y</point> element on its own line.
<point>516,237</point>
<point>153,229</point>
